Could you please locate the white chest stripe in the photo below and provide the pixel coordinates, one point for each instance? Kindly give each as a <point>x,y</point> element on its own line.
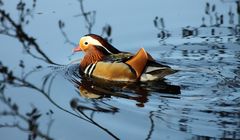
<point>89,69</point>
<point>86,69</point>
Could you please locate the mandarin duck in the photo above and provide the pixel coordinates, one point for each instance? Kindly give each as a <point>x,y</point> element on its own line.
<point>104,61</point>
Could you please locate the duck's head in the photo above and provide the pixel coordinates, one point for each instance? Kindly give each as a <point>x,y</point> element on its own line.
<point>94,42</point>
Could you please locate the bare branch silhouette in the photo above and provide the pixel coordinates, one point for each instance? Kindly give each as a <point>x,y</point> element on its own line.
<point>30,118</point>
<point>11,79</point>
<point>80,109</point>
<point>90,19</point>
<point>151,115</point>
<point>15,28</point>
<point>61,26</point>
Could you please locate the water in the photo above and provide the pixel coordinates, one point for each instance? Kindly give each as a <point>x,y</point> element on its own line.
<point>42,96</point>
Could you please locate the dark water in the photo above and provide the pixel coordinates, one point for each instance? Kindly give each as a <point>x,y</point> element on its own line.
<point>42,96</point>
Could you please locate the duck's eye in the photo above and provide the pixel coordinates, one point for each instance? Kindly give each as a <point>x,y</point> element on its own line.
<point>85,43</point>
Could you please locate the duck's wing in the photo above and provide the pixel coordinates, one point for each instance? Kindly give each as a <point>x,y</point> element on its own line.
<point>120,57</point>
<point>138,61</point>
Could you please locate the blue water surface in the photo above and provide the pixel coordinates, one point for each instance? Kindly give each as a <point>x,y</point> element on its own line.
<point>42,95</point>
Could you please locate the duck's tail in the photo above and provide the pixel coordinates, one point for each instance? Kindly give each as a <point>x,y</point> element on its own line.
<point>152,74</point>
<point>155,71</point>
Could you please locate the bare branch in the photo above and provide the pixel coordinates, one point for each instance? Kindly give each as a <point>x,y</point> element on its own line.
<point>26,40</point>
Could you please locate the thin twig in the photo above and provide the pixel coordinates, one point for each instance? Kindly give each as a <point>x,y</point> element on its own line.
<point>25,38</point>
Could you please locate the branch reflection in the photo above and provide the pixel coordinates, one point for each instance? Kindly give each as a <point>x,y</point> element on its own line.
<point>8,78</point>
<point>15,29</point>
<point>216,26</point>
<point>89,19</point>
<point>29,119</point>
<point>96,94</point>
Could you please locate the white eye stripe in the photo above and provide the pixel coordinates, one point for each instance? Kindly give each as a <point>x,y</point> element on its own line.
<point>93,41</point>
<point>96,42</point>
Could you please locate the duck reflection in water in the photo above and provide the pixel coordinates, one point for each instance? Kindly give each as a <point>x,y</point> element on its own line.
<point>95,88</point>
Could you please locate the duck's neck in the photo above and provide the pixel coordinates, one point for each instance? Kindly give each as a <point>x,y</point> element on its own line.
<point>90,58</point>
